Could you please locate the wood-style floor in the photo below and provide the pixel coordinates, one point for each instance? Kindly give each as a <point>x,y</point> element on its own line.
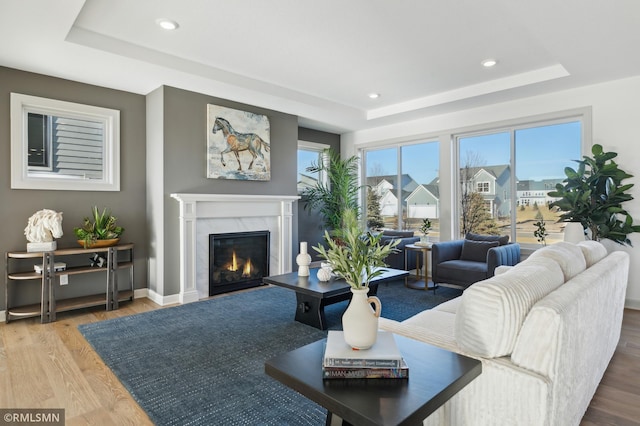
<point>52,366</point>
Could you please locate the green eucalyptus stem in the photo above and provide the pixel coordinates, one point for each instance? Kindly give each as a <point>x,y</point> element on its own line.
<point>355,256</point>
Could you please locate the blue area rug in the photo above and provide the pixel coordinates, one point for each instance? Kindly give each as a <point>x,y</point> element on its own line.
<point>203,363</point>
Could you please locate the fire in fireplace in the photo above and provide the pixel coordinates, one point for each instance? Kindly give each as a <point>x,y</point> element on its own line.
<point>237,260</point>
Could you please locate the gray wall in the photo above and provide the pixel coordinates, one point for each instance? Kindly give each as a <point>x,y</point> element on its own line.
<point>182,133</point>
<point>185,135</point>
<point>128,204</point>
<point>310,223</point>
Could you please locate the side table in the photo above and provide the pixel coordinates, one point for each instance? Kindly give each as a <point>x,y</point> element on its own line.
<point>435,375</point>
<point>421,252</point>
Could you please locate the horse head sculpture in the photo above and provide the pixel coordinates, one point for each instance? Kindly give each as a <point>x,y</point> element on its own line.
<point>43,226</point>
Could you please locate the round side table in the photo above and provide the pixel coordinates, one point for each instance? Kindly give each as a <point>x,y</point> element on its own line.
<point>421,252</point>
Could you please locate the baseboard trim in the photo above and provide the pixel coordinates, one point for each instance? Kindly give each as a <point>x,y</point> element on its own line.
<point>632,304</point>
<point>162,300</point>
<point>3,316</point>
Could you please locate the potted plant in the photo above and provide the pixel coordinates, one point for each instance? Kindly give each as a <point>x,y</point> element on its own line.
<point>340,191</point>
<point>100,227</point>
<point>357,258</point>
<point>593,195</point>
<point>425,228</point>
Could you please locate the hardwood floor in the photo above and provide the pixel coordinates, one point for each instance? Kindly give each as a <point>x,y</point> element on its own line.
<point>52,366</point>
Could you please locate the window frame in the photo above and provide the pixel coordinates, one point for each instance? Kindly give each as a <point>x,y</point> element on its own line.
<point>23,178</point>
<point>321,149</point>
<point>398,147</point>
<point>582,115</point>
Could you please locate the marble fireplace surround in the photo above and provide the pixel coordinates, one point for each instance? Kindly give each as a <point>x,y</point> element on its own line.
<point>204,214</point>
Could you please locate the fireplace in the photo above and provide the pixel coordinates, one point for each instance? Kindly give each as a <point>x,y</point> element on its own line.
<point>237,260</point>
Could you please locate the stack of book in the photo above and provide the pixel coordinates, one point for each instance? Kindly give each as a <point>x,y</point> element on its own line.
<point>382,361</point>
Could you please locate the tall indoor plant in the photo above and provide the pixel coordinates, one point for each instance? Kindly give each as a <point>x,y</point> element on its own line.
<point>338,193</point>
<point>593,195</point>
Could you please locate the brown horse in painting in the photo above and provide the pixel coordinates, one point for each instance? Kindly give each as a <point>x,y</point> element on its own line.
<point>237,142</point>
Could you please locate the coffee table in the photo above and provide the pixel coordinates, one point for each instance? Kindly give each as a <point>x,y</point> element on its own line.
<point>435,375</point>
<point>312,295</point>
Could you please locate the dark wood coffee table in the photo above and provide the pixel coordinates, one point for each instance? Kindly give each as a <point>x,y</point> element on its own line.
<point>313,295</point>
<point>435,375</point>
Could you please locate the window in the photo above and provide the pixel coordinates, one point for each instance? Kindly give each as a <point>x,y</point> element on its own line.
<point>63,146</point>
<point>403,182</point>
<point>524,163</point>
<point>309,153</point>
<point>483,187</point>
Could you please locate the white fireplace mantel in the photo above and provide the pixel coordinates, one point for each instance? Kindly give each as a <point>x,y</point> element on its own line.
<point>204,214</point>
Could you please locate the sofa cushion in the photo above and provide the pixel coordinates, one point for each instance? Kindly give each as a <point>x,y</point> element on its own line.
<point>476,251</point>
<point>593,252</point>
<point>492,311</point>
<point>569,256</point>
<point>450,306</point>
<point>502,239</point>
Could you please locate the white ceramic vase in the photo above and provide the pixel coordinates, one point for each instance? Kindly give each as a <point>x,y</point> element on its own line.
<point>360,320</point>
<point>303,260</point>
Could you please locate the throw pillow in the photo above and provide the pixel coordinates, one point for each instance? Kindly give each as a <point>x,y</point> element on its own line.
<point>476,250</point>
<point>502,239</point>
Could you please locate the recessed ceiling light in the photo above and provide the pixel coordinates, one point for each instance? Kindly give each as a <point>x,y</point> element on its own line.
<point>167,24</point>
<point>374,95</point>
<point>488,63</point>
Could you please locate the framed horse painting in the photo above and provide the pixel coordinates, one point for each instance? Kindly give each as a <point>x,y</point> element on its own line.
<point>238,144</point>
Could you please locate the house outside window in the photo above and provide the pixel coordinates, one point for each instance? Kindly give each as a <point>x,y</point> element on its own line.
<point>405,184</point>
<point>524,162</point>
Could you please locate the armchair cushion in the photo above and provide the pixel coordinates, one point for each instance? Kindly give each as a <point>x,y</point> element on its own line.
<point>502,239</point>
<point>476,250</point>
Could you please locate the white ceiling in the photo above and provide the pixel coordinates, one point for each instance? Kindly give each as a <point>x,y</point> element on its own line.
<point>320,59</point>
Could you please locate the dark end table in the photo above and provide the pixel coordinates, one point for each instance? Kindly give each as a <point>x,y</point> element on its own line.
<point>435,375</point>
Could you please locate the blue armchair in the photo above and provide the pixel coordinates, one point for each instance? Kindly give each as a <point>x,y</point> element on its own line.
<point>464,262</point>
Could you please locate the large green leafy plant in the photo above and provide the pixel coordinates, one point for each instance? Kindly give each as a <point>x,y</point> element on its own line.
<point>357,256</point>
<point>340,191</point>
<point>593,195</point>
<point>101,226</point>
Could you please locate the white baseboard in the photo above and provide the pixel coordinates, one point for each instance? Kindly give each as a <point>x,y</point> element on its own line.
<point>162,300</point>
<point>3,316</point>
<point>632,304</point>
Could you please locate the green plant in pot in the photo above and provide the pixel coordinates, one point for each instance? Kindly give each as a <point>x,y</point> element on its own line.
<point>593,196</point>
<point>340,191</point>
<point>358,258</point>
<point>425,228</point>
<point>101,226</point>
<point>359,255</point>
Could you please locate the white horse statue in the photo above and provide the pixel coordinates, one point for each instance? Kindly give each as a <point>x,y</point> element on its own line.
<point>44,226</point>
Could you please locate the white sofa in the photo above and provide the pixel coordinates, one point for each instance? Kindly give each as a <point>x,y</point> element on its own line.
<point>545,331</point>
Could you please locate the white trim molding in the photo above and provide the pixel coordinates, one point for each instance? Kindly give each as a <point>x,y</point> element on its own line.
<point>204,214</point>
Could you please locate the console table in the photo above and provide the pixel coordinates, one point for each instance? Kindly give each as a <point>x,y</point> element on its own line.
<point>17,272</point>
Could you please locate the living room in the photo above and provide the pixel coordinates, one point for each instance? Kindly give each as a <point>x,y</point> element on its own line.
<point>163,134</point>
